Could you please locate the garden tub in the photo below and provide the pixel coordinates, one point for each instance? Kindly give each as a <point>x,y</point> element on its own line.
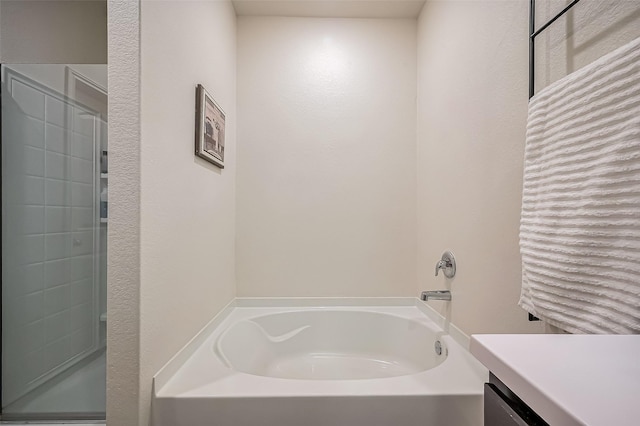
<point>322,362</point>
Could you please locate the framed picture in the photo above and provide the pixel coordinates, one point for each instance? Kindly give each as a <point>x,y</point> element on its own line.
<point>209,128</point>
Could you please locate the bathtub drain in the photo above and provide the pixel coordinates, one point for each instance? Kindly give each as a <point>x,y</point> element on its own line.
<point>438,347</point>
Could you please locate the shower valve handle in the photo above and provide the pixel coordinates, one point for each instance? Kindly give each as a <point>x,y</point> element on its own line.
<point>447,264</point>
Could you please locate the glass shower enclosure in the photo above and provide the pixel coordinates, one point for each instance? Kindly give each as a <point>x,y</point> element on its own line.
<point>54,172</point>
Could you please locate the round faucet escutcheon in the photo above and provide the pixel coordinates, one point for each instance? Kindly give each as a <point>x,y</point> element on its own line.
<point>448,264</point>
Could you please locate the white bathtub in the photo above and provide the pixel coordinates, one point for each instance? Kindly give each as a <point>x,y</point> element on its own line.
<point>329,365</point>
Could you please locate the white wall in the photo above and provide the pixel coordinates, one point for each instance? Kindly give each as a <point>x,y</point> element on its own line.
<point>326,157</point>
<point>472,104</point>
<point>187,204</point>
<point>472,108</point>
<point>305,211</point>
<point>53,31</point>
<point>123,257</point>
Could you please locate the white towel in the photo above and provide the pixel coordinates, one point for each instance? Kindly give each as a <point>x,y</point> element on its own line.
<point>580,225</point>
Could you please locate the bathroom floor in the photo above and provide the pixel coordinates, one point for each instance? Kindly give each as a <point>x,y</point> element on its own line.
<point>84,390</point>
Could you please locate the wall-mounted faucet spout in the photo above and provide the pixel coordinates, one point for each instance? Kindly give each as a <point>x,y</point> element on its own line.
<point>435,295</point>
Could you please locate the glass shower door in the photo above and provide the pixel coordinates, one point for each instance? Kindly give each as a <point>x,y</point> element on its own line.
<point>53,243</point>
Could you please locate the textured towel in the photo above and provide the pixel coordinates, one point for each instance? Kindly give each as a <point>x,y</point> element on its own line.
<point>580,225</point>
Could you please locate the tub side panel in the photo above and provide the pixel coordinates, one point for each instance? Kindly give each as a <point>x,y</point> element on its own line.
<point>439,410</point>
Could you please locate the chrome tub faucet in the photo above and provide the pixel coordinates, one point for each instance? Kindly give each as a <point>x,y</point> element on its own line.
<point>448,265</point>
<point>435,295</point>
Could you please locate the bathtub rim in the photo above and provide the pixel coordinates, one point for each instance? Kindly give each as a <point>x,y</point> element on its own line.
<point>162,377</point>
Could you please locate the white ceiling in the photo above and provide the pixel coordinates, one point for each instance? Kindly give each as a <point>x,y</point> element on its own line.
<point>330,8</point>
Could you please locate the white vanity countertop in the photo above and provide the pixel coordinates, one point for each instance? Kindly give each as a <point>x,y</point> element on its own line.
<point>568,379</point>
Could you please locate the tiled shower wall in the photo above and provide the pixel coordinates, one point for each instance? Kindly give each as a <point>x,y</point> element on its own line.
<point>50,227</point>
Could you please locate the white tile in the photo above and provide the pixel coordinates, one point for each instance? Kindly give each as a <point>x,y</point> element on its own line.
<point>21,219</point>
<point>12,285</point>
<point>32,308</point>
<point>12,312</point>
<point>12,143</point>
<point>82,147</point>
<point>30,100</point>
<point>57,165</point>
<point>56,326</point>
<point>83,218</point>
<point>33,219</point>
<point>12,257</point>
<point>57,246</point>
<point>81,316</point>
<point>15,283</point>
<point>33,249</point>
<point>82,243</point>
<point>82,195</point>
<point>33,277</point>
<point>33,164</point>
<point>80,292</point>
<point>15,151</point>
<point>33,133</point>
<point>57,219</point>
<point>57,192</point>
<point>57,139</point>
<point>81,170</point>
<point>58,112</point>
<point>56,300</point>
<point>57,272</point>
<point>31,336</point>
<point>83,122</point>
<point>81,267</point>
<point>33,190</point>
